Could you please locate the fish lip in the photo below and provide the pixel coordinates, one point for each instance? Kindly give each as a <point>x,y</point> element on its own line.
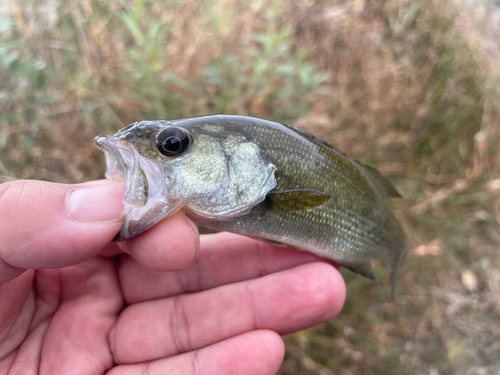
<point>105,144</point>
<point>110,145</point>
<point>119,153</point>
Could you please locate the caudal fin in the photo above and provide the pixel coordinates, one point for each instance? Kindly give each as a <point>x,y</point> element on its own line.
<point>392,276</point>
<point>396,268</point>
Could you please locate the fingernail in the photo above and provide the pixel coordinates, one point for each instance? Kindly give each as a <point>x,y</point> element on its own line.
<point>99,203</point>
<point>196,232</point>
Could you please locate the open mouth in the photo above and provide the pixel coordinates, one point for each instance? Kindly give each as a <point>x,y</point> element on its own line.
<point>116,169</point>
<point>122,164</point>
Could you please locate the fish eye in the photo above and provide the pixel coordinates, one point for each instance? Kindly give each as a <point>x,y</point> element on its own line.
<point>172,141</point>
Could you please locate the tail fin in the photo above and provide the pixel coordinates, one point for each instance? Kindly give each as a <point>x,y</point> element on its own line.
<point>396,268</point>
<point>392,276</point>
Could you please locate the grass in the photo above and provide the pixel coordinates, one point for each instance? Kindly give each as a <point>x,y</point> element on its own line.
<point>405,86</point>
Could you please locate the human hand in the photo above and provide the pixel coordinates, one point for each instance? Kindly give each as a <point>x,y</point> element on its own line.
<point>73,302</point>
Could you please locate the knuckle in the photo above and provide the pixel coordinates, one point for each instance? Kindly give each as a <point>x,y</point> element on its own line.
<point>179,327</point>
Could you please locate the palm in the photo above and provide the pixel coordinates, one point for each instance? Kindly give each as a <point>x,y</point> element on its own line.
<point>68,313</point>
<point>212,317</point>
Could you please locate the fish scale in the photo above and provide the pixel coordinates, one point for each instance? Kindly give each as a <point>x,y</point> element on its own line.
<point>346,228</point>
<point>306,194</point>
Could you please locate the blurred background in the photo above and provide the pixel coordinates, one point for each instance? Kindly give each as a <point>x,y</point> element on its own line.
<point>410,87</point>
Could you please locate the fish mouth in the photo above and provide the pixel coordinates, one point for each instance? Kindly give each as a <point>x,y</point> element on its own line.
<point>122,164</point>
<point>116,170</point>
<point>144,199</point>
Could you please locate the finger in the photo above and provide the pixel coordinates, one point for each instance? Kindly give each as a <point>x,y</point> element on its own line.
<point>14,319</point>
<point>47,225</point>
<point>253,353</point>
<point>111,250</point>
<point>284,302</point>
<point>170,245</point>
<point>225,258</point>
<point>81,303</point>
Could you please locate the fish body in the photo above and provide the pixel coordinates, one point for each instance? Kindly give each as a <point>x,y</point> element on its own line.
<point>257,178</point>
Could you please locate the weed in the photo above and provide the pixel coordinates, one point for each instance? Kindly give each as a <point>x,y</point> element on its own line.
<point>395,83</point>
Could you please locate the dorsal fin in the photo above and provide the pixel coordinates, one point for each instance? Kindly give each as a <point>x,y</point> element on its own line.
<point>380,181</point>
<point>317,140</point>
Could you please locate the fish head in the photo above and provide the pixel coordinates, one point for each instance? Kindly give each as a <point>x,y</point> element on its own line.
<point>209,169</point>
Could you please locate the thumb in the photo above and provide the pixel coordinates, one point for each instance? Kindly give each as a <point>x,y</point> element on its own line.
<point>47,225</point>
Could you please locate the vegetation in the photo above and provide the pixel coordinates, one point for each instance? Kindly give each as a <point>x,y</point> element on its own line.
<point>404,85</point>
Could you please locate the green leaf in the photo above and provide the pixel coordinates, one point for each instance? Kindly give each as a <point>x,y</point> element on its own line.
<point>133,27</point>
<point>3,140</point>
<point>7,24</point>
<point>411,14</point>
<point>8,59</point>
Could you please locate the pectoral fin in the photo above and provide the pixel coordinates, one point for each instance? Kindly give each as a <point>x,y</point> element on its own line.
<point>294,200</point>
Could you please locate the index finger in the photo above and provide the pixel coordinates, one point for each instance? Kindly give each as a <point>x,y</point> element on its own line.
<point>170,245</point>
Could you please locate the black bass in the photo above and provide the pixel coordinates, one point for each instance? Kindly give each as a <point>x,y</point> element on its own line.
<point>260,179</point>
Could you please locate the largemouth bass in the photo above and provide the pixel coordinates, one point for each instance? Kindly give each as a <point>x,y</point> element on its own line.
<point>257,178</point>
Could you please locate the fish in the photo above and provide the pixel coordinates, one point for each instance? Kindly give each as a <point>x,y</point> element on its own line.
<point>261,179</point>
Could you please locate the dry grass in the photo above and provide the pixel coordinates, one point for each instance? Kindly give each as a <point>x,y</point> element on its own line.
<point>404,85</point>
